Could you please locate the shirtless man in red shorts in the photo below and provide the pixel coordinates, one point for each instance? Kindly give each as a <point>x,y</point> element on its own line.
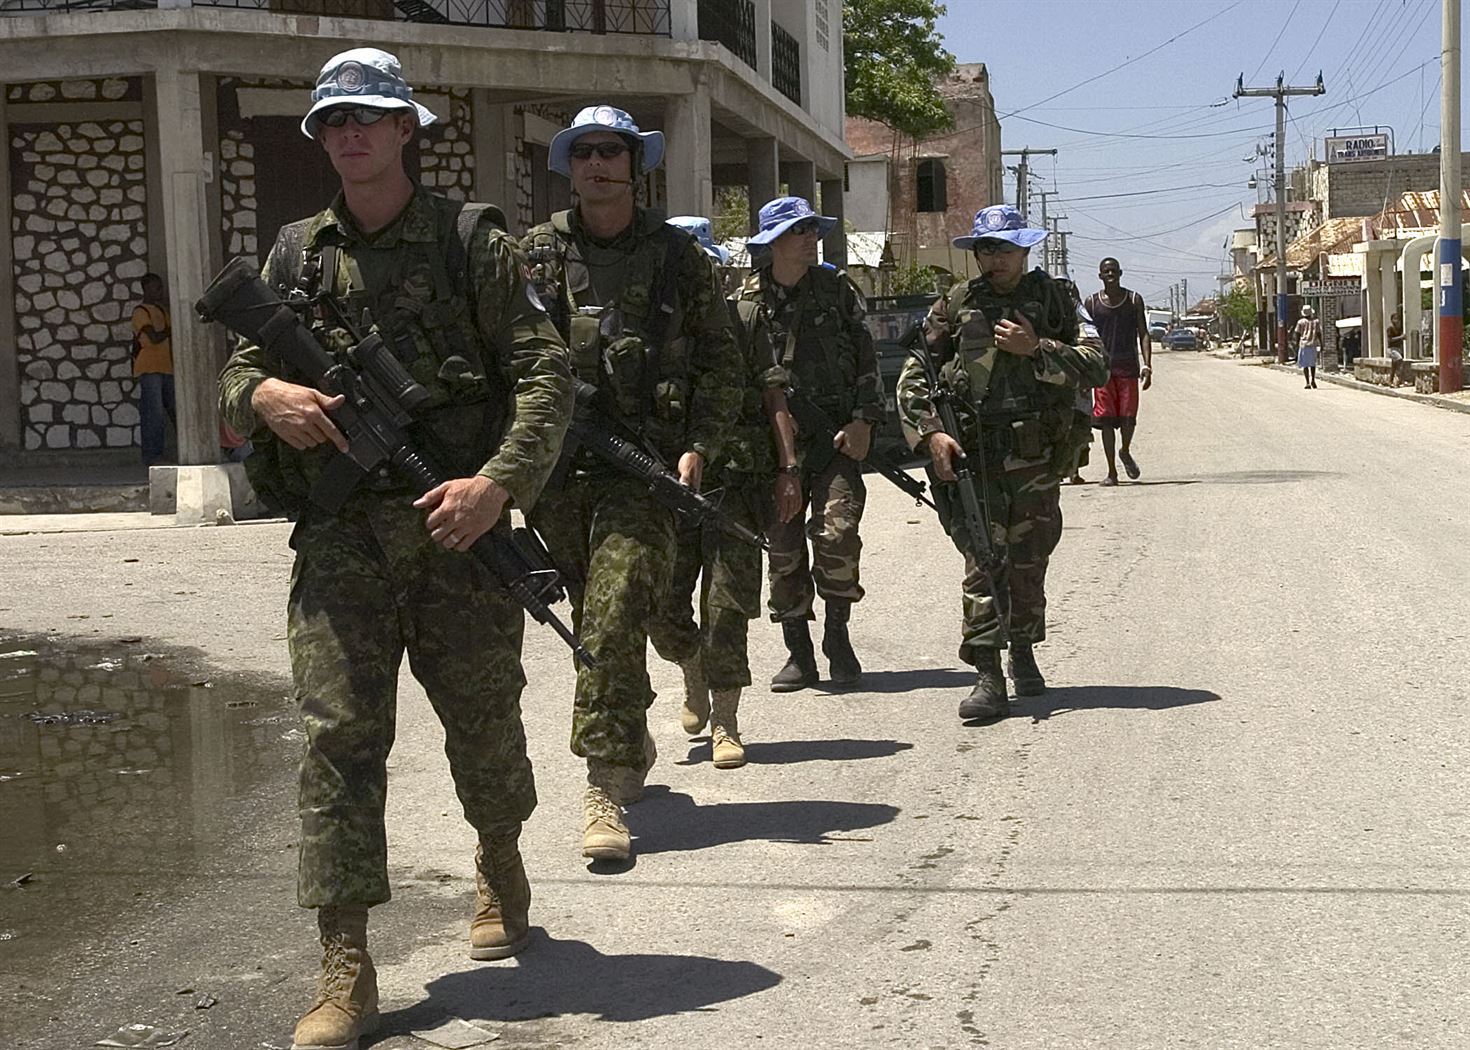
<point>1122,324</point>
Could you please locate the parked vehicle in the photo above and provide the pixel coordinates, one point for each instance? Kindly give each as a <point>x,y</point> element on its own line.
<point>1157,332</point>
<point>1181,339</point>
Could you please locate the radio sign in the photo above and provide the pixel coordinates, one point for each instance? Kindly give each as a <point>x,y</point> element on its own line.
<point>1349,148</point>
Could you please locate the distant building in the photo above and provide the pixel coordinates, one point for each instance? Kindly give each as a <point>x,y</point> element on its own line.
<point>921,193</point>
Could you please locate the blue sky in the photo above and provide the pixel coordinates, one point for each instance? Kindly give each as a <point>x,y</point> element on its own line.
<point>1135,94</point>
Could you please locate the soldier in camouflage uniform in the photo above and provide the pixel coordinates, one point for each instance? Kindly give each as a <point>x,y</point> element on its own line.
<point>712,653</point>
<point>1008,347</point>
<point>664,361</point>
<point>817,326</point>
<point>386,574</point>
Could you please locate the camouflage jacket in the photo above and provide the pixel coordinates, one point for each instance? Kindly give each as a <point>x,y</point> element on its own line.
<point>822,341</point>
<point>681,396</point>
<point>469,329</point>
<point>1016,411</point>
<point>751,449</point>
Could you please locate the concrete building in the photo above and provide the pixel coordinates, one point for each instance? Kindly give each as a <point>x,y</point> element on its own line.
<point>934,186</point>
<point>164,138</point>
<point>1366,187</point>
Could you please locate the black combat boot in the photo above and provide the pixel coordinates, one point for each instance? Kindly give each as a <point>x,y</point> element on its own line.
<point>1025,675</point>
<point>800,671</point>
<point>988,700</point>
<point>837,646</point>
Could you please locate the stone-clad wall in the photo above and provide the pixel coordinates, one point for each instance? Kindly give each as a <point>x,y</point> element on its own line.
<point>80,237</point>
<point>237,194</point>
<point>446,157</point>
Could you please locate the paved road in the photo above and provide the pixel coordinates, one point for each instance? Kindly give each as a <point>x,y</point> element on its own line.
<point>1238,819</point>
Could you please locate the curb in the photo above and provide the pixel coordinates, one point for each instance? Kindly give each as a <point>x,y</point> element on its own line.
<point>1434,400</point>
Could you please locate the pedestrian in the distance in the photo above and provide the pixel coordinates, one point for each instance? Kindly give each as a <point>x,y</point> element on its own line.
<point>1122,323</point>
<point>1308,337</point>
<point>153,367</point>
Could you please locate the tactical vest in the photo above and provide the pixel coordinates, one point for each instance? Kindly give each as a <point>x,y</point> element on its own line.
<point>417,296</point>
<point>814,345</point>
<point>1004,410</point>
<point>631,349</point>
<point>750,448</point>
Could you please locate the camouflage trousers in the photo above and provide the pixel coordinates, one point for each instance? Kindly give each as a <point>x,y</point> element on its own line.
<point>1025,526</point>
<point>367,585</point>
<point>615,545</point>
<point>829,519</point>
<point>729,575</point>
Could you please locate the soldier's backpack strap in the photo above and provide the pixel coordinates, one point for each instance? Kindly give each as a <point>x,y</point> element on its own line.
<point>661,310</point>
<point>745,313</point>
<point>466,222</point>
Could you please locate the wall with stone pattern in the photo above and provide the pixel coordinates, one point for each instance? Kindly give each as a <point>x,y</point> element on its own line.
<point>80,238</point>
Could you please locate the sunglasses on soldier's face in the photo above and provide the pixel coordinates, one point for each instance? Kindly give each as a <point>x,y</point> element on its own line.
<point>804,227</point>
<point>362,116</point>
<point>605,150</point>
<point>990,246</point>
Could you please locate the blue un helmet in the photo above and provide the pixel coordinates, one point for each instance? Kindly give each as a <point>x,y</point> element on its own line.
<point>1000,222</point>
<point>779,215</point>
<point>364,76</point>
<point>604,118</point>
<point>704,233</point>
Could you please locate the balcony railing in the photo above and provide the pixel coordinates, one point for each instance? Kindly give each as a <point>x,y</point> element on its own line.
<point>645,17</point>
<point>785,63</point>
<point>732,23</point>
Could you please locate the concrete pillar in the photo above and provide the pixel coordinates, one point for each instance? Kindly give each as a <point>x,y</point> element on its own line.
<point>687,158</point>
<point>684,19</point>
<point>801,178</point>
<point>182,173</point>
<point>1387,261</point>
<point>10,426</point>
<point>763,40</point>
<point>492,142</point>
<point>834,247</point>
<point>1375,321</point>
<point>763,162</point>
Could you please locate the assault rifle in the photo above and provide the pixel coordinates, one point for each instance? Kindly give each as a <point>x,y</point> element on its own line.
<point>381,398</point>
<point>811,418</point>
<point>595,430</point>
<point>974,510</point>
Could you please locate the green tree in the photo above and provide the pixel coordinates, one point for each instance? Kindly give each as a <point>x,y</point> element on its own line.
<point>732,213</point>
<point>893,55</point>
<point>915,279</point>
<point>1240,306</point>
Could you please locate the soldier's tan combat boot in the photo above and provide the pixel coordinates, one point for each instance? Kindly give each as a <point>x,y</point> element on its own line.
<point>800,670</point>
<point>628,781</point>
<point>988,700</point>
<point>1025,675</point>
<point>724,730</point>
<point>837,646</point>
<point>695,711</point>
<point>346,1006</point>
<point>502,923</point>
<point>604,835</point>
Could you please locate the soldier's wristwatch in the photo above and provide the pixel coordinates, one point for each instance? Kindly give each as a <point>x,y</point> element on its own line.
<point>793,471</point>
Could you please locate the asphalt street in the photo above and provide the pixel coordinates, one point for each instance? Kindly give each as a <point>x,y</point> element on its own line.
<point>1237,819</point>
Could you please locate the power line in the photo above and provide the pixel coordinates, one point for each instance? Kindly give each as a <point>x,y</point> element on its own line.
<point>1266,57</point>
<point>1126,135</point>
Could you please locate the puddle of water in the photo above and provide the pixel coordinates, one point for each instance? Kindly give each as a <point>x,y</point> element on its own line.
<point>120,779</point>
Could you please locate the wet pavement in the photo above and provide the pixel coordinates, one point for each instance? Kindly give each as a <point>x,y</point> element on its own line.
<point>130,777</point>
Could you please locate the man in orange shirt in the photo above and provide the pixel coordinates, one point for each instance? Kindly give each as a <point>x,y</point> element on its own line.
<point>153,367</point>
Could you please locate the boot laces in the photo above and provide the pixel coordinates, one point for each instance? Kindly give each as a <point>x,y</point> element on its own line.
<point>601,807</point>
<point>336,979</point>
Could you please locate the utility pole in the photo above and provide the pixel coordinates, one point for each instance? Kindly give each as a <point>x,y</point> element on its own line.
<point>1280,93</point>
<point>1022,170</point>
<point>1451,301</point>
<point>1063,265</point>
<point>1045,225</point>
<point>1184,298</point>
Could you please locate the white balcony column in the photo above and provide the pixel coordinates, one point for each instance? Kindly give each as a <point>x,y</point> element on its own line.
<point>1388,260</point>
<point>763,163</point>
<point>185,164</point>
<point>834,246</point>
<point>684,19</point>
<point>763,39</point>
<point>493,145</point>
<point>687,156</point>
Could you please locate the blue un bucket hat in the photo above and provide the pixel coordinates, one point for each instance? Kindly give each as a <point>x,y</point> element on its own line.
<point>779,215</point>
<point>1001,222</point>
<point>603,118</point>
<point>704,233</point>
<point>364,76</point>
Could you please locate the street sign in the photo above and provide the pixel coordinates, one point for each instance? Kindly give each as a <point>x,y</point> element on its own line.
<point>1346,148</point>
<point>1329,288</point>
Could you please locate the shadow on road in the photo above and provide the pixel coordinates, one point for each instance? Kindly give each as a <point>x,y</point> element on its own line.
<point>904,681</point>
<point>556,978</point>
<point>670,822</point>
<point>1263,477</point>
<point>1056,701</point>
<point>786,752</point>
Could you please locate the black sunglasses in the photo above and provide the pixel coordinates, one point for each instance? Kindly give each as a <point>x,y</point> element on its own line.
<point>991,246</point>
<point>362,116</point>
<point>605,150</point>
<point>804,226</point>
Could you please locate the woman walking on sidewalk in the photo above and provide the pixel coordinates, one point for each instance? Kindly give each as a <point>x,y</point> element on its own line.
<point>1308,338</point>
